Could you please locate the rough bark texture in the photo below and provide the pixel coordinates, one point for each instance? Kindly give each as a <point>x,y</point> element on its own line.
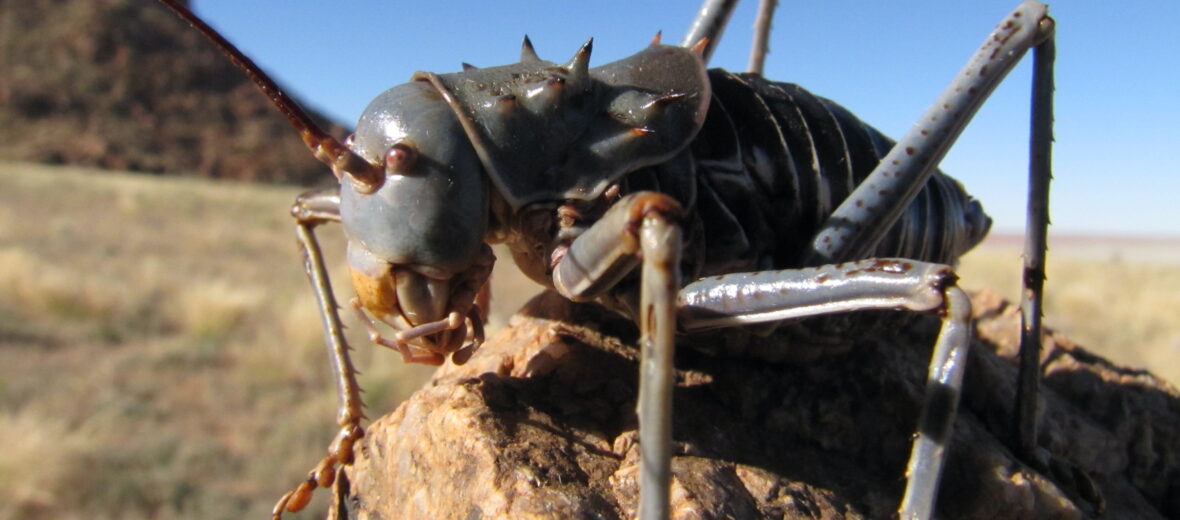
<point>540,424</point>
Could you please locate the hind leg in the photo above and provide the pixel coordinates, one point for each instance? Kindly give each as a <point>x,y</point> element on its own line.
<point>748,298</point>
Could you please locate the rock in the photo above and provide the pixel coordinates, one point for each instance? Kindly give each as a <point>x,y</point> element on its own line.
<point>540,424</point>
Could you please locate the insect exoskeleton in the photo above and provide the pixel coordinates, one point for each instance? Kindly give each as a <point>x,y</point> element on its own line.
<point>513,135</point>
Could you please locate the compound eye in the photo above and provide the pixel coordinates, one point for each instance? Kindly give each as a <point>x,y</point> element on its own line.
<point>400,157</point>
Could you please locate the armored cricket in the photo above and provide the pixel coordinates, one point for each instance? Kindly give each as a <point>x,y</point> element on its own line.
<point>685,198</point>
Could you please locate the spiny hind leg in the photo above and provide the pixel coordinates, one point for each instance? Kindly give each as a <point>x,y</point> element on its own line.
<point>1025,424</point>
<point>859,224</point>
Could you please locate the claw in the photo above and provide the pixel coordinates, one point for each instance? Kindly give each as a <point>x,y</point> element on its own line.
<point>324,474</point>
<point>281,505</point>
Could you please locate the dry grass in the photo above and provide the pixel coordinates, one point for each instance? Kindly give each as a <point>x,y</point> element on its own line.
<point>160,354</point>
<point>1117,297</point>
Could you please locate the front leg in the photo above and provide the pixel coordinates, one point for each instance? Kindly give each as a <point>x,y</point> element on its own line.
<point>639,229</point>
<point>310,210</point>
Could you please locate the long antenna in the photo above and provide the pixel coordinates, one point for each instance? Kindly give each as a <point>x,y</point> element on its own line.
<point>323,146</point>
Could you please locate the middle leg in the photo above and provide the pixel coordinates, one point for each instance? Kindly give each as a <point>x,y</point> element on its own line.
<point>639,229</point>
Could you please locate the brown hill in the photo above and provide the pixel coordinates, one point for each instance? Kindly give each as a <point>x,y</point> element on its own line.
<point>124,84</point>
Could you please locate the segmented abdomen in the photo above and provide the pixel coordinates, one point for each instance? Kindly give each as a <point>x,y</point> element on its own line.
<point>773,161</point>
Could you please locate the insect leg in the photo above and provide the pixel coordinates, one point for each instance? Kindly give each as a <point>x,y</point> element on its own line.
<point>747,298</point>
<point>639,229</point>
<point>767,296</point>
<point>660,246</point>
<point>708,25</point>
<point>944,384</point>
<point>863,219</point>
<point>760,45</point>
<point>1036,231</point>
<point>310,210</point>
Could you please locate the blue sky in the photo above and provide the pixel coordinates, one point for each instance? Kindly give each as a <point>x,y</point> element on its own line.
<point>1117,155</point>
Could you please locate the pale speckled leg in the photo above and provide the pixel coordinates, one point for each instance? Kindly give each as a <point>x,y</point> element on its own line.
<point>862,220</point>
<point>854,229</point>
<point>882,283</point>
<point>767,296</point>
<point>944,384</point>
<point>310,210</point>
<point>660,247</point>
<point>708,25</point>
<point>638,231</point>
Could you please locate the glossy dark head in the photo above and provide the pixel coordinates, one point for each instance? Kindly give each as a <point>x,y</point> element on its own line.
<point>533,130</point>
<point>415,240</point>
